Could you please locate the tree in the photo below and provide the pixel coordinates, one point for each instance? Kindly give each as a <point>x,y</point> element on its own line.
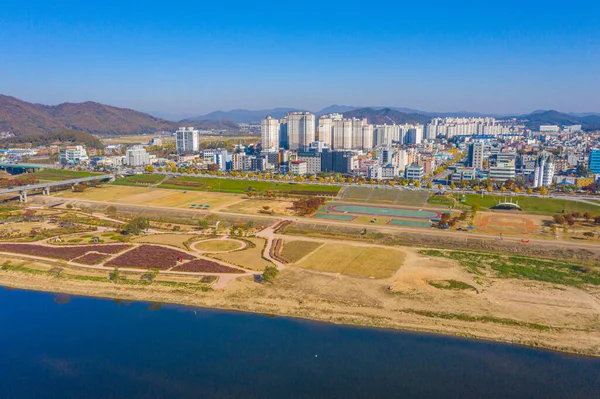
<point>589,234</point>
<point>530,191</point>
<point>559,219</point>
<point>203,224</point>
<point>136,225</point>
<point>517,190</point>
<point>489,189</point>
<point>269,274</point>
<point>476,188</point>
<point>417,184</point>
<point>111,211</point>
<point>587,216</point>
<point>429,185</point>
<point>543,191</point>
<point>582,170</point>
<point>452,186</point>
<point>474,208</point>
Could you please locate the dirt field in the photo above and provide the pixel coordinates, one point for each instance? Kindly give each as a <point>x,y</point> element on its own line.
<point>355,261</point>
<point>254,206</point>
<point>217,245</point>
<point>155,197</point>
<point>508,224</point>
<point>250,258</point>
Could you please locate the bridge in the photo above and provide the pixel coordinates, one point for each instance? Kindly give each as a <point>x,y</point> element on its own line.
<point>45,187</point>
<point>26,166</point>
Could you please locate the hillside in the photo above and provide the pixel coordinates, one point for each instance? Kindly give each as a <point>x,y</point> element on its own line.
<point>386,116</point>
<point>537,118</point>
<point>23,118</point>
<point>208,124</point>
<point>68,137</point>
<point>241,115</point>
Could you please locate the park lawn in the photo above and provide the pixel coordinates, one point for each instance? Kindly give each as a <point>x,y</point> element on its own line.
<point>217,245</point>
<point>62,174</point>
<point>237,186</point>
<point>545,206</point>
<point>174,240</point>
<point>138,179</point>
<point>249,258</point>
<point>389,196</point>
<point>256,206</point>
<point>355,261</point>
<point>293,251</point>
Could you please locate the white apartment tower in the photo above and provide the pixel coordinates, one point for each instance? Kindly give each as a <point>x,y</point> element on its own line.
<point>187,140</point>
<point>300,130</point>
<point>544,170</point>
<point>342,134</point>
<point>325,129</point>
<point>269,132</point>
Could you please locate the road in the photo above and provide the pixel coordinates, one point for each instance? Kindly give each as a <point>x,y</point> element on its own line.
<point>42,186</point>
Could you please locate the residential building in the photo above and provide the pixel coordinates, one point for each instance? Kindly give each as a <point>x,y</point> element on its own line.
<point>137,156</point>
<point>544,170</point>
<point>475,155</point>
<point>300,130</point>
<point>186,140</point>
<point>269,132</point>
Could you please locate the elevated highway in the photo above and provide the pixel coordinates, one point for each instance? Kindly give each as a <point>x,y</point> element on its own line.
<point>45,187</point>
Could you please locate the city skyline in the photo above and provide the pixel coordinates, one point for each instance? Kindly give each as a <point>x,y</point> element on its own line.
<point>188,60</point>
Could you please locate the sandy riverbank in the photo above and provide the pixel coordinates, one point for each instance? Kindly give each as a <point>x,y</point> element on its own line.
<point>520,312</point>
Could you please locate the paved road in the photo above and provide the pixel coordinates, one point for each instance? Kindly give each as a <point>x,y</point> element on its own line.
<point>54,184</point>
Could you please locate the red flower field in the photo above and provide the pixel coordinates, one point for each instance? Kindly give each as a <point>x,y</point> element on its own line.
<point>66,252</point>
<point>91,258</point>
<point>148,257</point>
<point>205,266</point>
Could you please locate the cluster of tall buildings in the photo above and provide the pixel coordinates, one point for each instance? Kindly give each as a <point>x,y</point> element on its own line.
<point>297,130</point>
<point>450,127</point>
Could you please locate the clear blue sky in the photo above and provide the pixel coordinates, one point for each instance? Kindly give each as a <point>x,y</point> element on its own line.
<point>189,58</point>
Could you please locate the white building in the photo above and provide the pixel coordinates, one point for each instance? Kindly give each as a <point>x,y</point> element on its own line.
<point>414,172</point>
<point>269,132</point>
<point>476,151</point>
<point>137,156</point>
<point>74,154</point>
<point>186,140</point>
<point>544,170</point>
<point>298,167</point>
<point>300,130</point>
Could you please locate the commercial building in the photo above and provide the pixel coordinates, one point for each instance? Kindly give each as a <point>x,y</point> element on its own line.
<point>414,172</point>
<point>74,154</point>
<point>269,133</point>
<point>594,161</point>
<point>186,140</point>
<point>298,167</point>
<point>137,156</point>
<point>476,155</point>
<point>312,159</point>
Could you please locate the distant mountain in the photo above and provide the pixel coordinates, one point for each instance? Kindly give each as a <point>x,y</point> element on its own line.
<point>387,116</point>
<point>242,115</point>
<point>336,109</point>
<point>538,118</point>
<point>208,124</point>
<point>64,137</point>
<point>22,118</point>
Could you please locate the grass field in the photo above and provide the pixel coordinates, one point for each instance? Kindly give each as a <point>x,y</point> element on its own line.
<point>255,206</point>
<point>61,174</point>
<point>217,245</point>
<point>293,251</point>
<point>236,185</point>
<point>175,240</point>
<point>154,197</point>
<point>250,258</point>
<point>545,206</point>
<point>394,196</point>
<point>356,261</point>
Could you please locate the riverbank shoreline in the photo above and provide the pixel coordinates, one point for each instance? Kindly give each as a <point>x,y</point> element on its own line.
<point>252,300</point>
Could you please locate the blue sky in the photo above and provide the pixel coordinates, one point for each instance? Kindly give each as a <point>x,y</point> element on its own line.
<point>189,58</point>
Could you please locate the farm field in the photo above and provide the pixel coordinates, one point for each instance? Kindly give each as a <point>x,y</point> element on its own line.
<point>154,197</point>
<point>205,266</point>
<point>62,174</point>
<point>174,240</point>
<point>535,205</point>
<point>295,250</point>
<point>250,258</point>
<point>217,245</point>
<point>236,186</point>
<point>58,252</point>
<point>149,257</point>
<point>391,196</point>
<point>356,261</point>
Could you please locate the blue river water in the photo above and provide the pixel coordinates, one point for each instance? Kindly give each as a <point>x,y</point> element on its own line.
<point>56,346</point>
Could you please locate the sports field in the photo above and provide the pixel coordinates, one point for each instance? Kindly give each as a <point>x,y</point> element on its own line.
<point>534,205</point>
<point>408,223</point>
<point>155,197</point>
<point>373,210</point>
<point>390,196</point>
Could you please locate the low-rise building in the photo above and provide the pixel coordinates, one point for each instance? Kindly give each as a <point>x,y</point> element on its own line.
<point>298,167</point>
<point>414,172</point>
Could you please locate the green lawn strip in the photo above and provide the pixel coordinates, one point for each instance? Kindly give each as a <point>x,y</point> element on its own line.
<point>62,174</point>
<point>484,319</point>
<point>451,285</point>
<point>535,205</point>
<point>521,267</point>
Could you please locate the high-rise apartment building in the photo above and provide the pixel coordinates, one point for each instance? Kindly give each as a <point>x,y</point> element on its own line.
<point>137,156</point>
<point>544,170</point>
<point>300,130</point>
<point>325,129</point>
<point>269,132</point>
<point>186,140</point>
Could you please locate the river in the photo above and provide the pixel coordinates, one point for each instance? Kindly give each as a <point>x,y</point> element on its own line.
<point>56,346</point>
